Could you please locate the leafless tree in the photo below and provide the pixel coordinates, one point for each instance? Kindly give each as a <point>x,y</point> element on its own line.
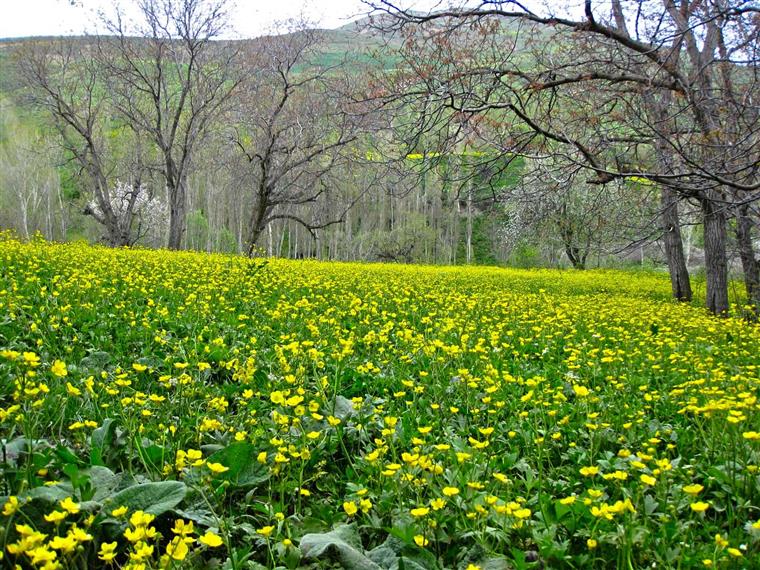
<point>169,78</point>
<point>293,127</point>
<point>556,202</point>
<point>62,77</point>
<point>647,89</point>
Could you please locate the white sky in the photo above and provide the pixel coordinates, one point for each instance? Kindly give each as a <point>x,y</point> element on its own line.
<point>251,18</point>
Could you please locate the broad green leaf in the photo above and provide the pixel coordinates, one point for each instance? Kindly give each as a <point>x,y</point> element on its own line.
<point>244,469</point>
<point>96,361</point>
<point>100,440</point>
<point>341,545</point>
<point>153,498</point>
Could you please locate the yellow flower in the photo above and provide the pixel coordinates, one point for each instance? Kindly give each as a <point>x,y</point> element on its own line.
<point>735,552</point>
<point>420,511</point>
<point>333,421</point>
<point>450,491</point>
<point>56,516</point>
<point>568,500</point>
<point>580,391</point>
<point>350,508</point>
<point>591,543</point>
<point>589,471</point>
<point>142,551</point>
<point>522,513</point>
<point>501,478</point>
<point>421,541</point>
<point>438,504</point>
<point>107,551</point>
<point>648,479</point>
<point>139,367</point>
<point>63,543</point>
<point>41,556</point>
<point>751,435</point>
<point>31,359</point>
<point>119,512</point>
<point>265,531</point>
<point>210,539</point>
<point>11,506</point>
<point>693,490</point>
<point>699,506</point>
<point>217,467</point>
<point>59,368</point>
<point>140,518</point>
<point>78,534</point>
<point>183,528</point>
<point>70,506</point>
<point>177,548</point>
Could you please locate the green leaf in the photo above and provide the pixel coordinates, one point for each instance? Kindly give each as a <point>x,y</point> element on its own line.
<point>67,456</point>
<point>343,408</point>
<point>244,469</point>
<point>101,439</point>
<point>101,480</point>
<point>199,515</point>
<point>342,545</point>
<point>153,498</point>
<point>53,493</point>
<point>96,361</point>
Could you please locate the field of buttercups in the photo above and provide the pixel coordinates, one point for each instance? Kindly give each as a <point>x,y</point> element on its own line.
<point>185,410</point>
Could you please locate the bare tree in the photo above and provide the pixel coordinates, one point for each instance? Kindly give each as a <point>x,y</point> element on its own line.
<point>558,204</point>
<point>170,79</point>
<point>292,127</point>
<point>654,89</point>
<point>62,78</point>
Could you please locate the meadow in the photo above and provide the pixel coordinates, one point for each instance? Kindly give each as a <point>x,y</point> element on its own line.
<point>183,410</point>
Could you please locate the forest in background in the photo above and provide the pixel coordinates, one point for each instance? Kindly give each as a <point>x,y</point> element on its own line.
<point>377,141</point>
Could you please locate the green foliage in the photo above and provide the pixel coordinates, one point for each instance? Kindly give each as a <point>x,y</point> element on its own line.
<point>524,255</point>
<point>154,498</point>
<point>197,233</point>
<point>227,242</point>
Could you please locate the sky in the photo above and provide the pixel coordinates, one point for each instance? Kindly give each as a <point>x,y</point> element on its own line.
<point>250,18</point>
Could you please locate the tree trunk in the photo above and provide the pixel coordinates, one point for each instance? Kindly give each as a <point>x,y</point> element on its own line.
<point>469,222</point>
<point>253,239</point>
<point>177,215</point>
<point>671,236</point>
<point>716,262</point>
<point>750,264</point>
<point>574,255</point>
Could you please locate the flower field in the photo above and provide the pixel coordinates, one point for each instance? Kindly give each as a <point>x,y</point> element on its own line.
<point>182,410</point>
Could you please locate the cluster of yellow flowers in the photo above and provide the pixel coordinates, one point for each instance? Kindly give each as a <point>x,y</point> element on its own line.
<point>528,410</point>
